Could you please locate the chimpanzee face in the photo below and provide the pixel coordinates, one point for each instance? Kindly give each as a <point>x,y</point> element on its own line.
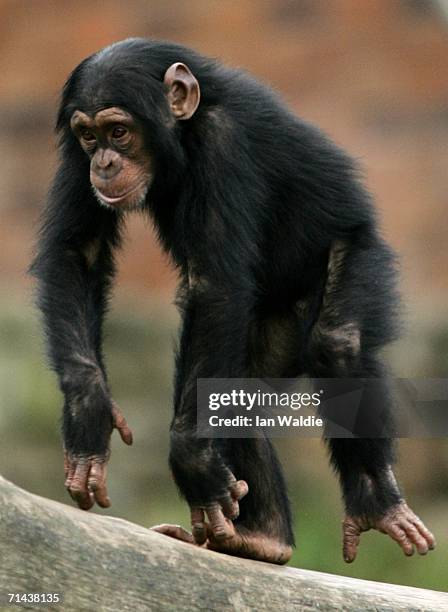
<point>120,167</point>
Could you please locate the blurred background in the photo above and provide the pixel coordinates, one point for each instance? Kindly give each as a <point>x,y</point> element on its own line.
<point>374,75</point>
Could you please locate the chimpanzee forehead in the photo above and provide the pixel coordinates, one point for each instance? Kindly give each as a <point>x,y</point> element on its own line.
<point>100,117</point>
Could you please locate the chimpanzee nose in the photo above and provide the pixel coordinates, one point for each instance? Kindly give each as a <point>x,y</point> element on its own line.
<point>106,163</point>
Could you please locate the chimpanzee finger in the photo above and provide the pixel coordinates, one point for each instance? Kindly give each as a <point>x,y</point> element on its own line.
<point>221,527</point>
<point>351,534</point>
<point>66,464</point>
<point>400,536</point>
<point>415,537</point>
<point>78,487</point>
<point>174,531</point>
<point>239,489</point>
<point>97,483</point>
<point>424,532</point>
<point>120,423</point>
<point>198,527</point>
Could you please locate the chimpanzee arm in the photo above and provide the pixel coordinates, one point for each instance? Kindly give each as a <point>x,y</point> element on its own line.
<point>352,326</point>
<point>74,266</point>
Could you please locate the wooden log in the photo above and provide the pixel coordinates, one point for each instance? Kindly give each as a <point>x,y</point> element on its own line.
<point>103,563</point>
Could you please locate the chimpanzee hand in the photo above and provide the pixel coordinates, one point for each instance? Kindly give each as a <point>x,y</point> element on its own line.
<point>400,523</point>
<point>85,474</point>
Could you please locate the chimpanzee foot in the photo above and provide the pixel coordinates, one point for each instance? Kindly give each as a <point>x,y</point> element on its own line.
<point>220,534</point>
<point>250,545</point>
<point>220,514</point>
<point>241,543</point>
<point>400,523</point>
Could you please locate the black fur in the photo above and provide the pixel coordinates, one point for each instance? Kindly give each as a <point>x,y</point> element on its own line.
<point>249,201</point>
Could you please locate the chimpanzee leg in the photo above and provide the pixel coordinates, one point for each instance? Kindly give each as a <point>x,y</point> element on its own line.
<point>263,526</point>
<point>256,527</point>
<point>214,476</point>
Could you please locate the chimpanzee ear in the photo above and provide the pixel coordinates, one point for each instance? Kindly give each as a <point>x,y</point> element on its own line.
<point>183,90</point>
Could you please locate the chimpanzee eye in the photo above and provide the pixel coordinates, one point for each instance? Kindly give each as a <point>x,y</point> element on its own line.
<point>119,132</point>
<point>88,136</point>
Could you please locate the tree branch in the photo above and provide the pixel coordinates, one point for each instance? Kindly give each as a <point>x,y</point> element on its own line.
<point>102,563</point>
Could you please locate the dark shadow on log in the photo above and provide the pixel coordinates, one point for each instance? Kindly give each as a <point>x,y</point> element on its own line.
<point>102,563</point>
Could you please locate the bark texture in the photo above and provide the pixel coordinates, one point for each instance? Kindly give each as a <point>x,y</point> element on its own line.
<point>102,563</point>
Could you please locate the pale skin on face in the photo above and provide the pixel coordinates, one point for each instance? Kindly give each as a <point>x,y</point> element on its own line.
<point>103,117</point>
<point>120,167</point>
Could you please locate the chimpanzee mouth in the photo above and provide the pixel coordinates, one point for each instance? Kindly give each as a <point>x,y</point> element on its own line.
<point>135,197</point>
<point>115,199</point>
